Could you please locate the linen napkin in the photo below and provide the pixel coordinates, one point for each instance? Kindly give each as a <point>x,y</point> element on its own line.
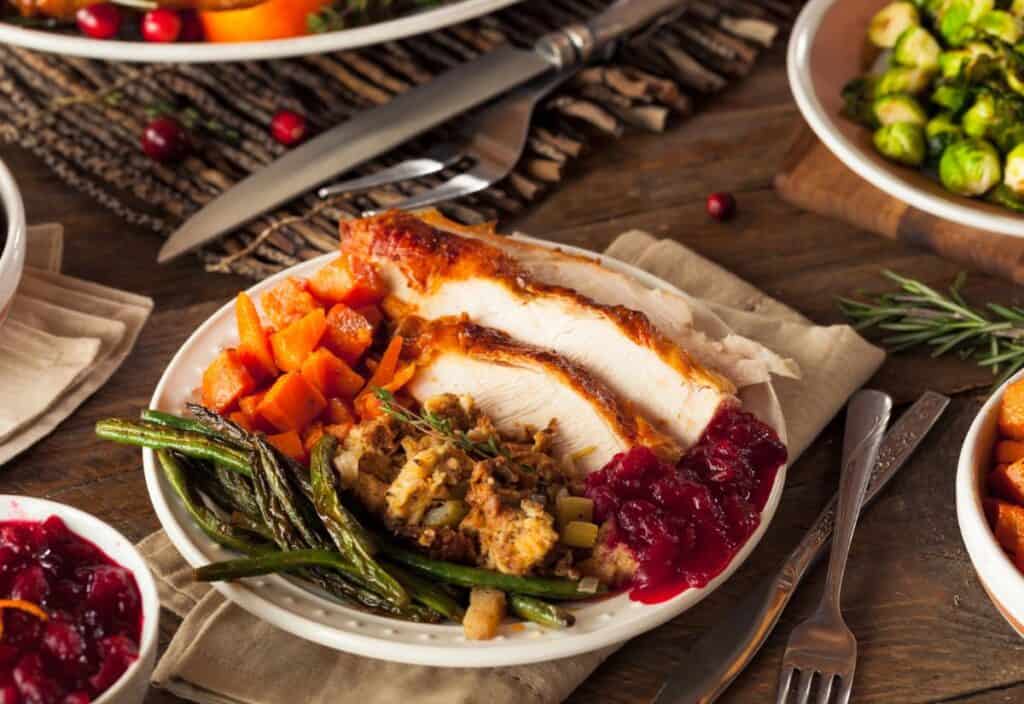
<point>63,339</point>
<point>223,655</point>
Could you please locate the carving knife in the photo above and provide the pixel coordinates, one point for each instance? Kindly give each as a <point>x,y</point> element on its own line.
<point>724,651</point>
<point>407,115</point>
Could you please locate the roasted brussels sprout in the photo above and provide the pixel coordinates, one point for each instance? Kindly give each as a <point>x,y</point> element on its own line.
<point>940,132</point>
<point>954,62</point>
<point>903,79</point>
<point>981,116</point>
<point>858,100</point>
<point>902,142</point>
<point>1008,136</point>
<point>954,19</point>
<point>890,22</point>
<point>951,96</point>
<point>898,107</point>
<point>917,47</point>
<point>1001,25</point>
<point>970,167</point>
<point>1013,170</point>
<point>1017,8</point>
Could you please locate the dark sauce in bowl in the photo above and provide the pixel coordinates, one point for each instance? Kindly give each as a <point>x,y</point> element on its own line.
<point>93,611</point>
<point>685,522</point>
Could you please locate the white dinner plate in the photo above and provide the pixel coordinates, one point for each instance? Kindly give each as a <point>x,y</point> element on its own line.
<point>307,613</point>
<point>208,52</point>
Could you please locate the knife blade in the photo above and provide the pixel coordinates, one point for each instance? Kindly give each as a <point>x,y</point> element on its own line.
<point>724,652</point>
<point>407,115</point>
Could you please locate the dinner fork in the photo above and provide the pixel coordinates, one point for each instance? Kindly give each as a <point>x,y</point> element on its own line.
<point>823,648</point>
<point>493,144</point>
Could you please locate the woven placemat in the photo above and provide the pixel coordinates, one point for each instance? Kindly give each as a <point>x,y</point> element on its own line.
<point>84,117</point>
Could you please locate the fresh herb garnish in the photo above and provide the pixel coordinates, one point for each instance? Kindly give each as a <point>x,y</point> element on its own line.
<point>441,428</point>
<point>992,336</point>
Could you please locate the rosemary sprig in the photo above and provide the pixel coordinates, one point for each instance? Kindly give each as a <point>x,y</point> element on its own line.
<point>917,315</point>
<point>441,428</point>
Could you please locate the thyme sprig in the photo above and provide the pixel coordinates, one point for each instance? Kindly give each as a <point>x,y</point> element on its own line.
<point>439,427</point>
<point>916,314</point>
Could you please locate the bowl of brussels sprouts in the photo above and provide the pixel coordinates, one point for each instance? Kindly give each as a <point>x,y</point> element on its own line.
<point>924,99</point>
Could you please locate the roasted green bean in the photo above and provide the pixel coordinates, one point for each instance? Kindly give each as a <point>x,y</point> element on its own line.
<point>530,608</point>
<point>159,437</point>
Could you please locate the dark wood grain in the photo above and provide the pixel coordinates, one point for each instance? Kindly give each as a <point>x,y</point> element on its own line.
<point>927,631</point>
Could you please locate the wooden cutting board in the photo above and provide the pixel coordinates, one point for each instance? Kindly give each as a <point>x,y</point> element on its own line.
<point>812,178</point>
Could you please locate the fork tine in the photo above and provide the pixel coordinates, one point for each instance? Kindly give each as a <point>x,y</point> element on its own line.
<point>844,693</point>
<point>803,690</point>
<point>437,159</point>
<point>785,679</point>
<point>476,179</point>
<point>825,688</point>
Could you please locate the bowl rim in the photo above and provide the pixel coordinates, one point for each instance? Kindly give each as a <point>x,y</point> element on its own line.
<point>997,572</point>
<point>101,534</point>
<point>12,256</point>
<point>798,69</point>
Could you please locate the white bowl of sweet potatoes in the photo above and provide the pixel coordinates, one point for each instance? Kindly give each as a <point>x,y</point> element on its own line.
<point>990,498</point>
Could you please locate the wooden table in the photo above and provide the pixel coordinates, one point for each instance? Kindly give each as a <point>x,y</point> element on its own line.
<point>927,632</point>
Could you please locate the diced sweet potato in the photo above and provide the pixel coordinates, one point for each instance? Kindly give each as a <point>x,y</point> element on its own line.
<point>1011,411</point>
<point>287,302</point>
<point>249,403</point>
<point>296,342</point>
<point>338,430</point>
<point>292,403</point>
<point>1006,481</point>
<point>347,280</point>
<point>1007,521</point>
<point>348,333</point>
<point>289,444</point>
<point>330,375</point>
<point>1008,451</point>
<point>338,412</point>
<point>242,420</point>
<point>312,436</point>
<point>253,346</point>
<point>225,381</point>
<point>373,314</point>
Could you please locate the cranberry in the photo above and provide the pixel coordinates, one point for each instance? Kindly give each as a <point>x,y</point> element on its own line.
<point>161,25</point>
<point>64,644</point>
<point>77,698</point>
<point>32,682</point>
<point>721,206</point>
<point>31,585</point>
<point>101,21</point>
<point>112,591</point>
<point>165,140</point>
<point>118,654</point>
<point>191,27</point>
<point>9,694</point>
<point>288,127</point>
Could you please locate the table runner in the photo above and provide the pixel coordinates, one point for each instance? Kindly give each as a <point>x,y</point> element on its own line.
<point>84,117</point>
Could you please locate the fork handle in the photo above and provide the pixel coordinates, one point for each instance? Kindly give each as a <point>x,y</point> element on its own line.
<point>866,419</point>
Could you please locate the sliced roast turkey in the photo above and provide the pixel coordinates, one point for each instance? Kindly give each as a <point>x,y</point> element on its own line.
<point>433,274</point>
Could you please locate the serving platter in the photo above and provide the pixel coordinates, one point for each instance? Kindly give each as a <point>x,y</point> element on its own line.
<point>303,611</point>
<point>204,52</point>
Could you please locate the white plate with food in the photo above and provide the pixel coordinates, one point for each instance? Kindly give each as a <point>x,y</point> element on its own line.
<point>273,29</point>
<point>483,449</point>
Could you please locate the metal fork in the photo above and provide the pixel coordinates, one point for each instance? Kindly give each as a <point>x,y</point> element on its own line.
<point>494,142</point>
<point>823,648</point>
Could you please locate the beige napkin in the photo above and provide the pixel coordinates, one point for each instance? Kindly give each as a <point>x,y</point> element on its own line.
<point>63,340</point>
<point>222,655</point>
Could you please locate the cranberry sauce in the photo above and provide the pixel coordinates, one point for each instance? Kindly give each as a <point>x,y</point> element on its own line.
<point>685,522</point>
<point>93,616</point>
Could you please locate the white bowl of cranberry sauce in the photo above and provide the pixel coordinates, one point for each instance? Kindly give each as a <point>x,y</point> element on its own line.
<point>79,608</point>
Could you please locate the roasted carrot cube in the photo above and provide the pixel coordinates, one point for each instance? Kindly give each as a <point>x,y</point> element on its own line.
<point>1006,481</point>
<point>1011,411</point>
<point>1007,521</point>
<point>348,333</point>
<point>385,370</point>
<point>1009,451</point>
<point>249,403</point>
<point>289,444</point>
<point>330,375</point>
<point>253,346</point>
<point>297,341</point>
<point>287,302</point>
<point>292,403</point>
<point>338,412</point>
<point>348,280</point>
<point>402,377</point>
<point>225,381</point>
<point>242,420</point>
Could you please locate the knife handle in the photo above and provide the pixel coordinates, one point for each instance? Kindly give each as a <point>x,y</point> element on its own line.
<point>577,42</point>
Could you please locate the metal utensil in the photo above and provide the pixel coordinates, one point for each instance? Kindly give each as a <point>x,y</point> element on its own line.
<point>723,652</point>
<point>375,131</point>
<point>495,141</point>
<point>823,649</point>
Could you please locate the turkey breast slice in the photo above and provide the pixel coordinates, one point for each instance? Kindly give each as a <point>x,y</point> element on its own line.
<point>521,386</point>
<point>433,274</point>
<point>688,321</point>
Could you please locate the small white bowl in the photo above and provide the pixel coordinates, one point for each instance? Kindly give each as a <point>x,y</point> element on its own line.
<point>997,573</point>
<point>132,687</point>
<point>826,49</point>
<point>12,254</point>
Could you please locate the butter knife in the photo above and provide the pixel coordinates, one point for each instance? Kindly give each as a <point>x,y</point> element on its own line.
<point>724,651</point>
<point>375,131</point>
